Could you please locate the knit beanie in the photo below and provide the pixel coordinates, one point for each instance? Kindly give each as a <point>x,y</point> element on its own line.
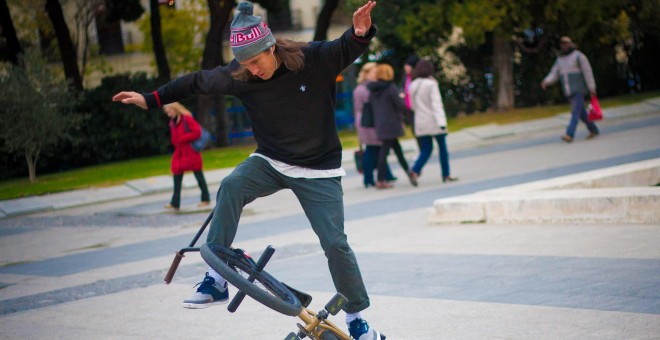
<point>249,35</point>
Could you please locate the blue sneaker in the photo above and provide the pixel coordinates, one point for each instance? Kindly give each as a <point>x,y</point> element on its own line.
<point>360,330</point>
<point>208,294</point>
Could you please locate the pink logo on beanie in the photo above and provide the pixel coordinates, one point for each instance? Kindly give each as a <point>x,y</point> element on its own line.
<point>242,36</point>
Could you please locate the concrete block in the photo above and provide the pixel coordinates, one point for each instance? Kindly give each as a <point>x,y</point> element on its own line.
<point>609,205</point>
<point>557,206</point>
<point>644,208</point>
<point>24,206</point>
<point>461,209</point>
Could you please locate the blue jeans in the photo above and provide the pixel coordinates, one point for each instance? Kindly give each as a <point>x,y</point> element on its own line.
<point>369,163</point>
<point>579,112</point>
<point>322,201</point>
<point>426,147</point>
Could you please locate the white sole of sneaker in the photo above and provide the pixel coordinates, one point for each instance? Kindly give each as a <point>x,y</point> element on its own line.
<point>191,305</point>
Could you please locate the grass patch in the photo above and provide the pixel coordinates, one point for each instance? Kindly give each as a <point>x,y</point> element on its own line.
<point>115,173</point>
<point>119,172</point>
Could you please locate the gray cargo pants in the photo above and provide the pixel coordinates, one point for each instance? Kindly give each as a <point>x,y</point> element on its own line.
<point>322,201</point>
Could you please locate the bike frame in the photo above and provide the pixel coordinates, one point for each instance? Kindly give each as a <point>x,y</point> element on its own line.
<point>312,322</point>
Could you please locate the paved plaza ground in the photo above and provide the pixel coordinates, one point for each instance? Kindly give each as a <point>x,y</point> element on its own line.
<point>82,266</point>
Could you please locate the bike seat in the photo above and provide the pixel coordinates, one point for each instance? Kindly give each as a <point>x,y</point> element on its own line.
<point>305,299</point>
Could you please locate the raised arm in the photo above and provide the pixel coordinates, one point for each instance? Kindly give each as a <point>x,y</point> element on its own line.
<point>362,19</point>
<point>128,97</point>
<point>216,81</point>
<point>340,53</point>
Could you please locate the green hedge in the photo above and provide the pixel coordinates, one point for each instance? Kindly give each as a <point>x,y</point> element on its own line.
<point>110,132</point>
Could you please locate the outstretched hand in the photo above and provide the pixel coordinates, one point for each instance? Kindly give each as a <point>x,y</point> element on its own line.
<point>130,98</point>
<point>362,19</point>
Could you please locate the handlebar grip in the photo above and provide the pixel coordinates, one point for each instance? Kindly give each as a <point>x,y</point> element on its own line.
<point>236,301</point>
<point>175,264</point>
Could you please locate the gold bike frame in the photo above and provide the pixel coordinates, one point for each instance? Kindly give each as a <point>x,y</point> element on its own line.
<point>316,327</point>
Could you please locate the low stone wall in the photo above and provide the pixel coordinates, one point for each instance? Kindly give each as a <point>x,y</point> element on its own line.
<point>626,193</point>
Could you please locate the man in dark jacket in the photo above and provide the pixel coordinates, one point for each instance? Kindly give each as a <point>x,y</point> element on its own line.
<point>573,70</point>
<point>288,90</point>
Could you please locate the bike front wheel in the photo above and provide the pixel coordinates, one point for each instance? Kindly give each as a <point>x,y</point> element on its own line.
<point>235,267</point>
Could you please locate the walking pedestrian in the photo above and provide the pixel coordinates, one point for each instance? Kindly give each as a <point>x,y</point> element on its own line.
<point>573,70</point>
<point>183,131</point>
<point>430,119</point>
<point>388,107</point>
<point>367,135</point>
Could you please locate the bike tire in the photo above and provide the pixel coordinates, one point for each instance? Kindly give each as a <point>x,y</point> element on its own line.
<point>273,294</point>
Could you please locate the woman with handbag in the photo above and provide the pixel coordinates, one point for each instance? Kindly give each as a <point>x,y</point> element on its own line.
<point>367,134</point>
<point>184,130</point>
<point>388,108</point>
<point>430,119</point>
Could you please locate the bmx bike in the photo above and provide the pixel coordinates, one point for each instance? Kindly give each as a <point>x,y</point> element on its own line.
<point>248,276</point>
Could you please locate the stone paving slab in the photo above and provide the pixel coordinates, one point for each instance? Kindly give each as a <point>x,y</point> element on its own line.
<point>457,282</point>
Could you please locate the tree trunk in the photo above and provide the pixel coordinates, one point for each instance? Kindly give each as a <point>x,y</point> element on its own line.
<point>323,21</point>
<point>9,32</point>
<point>157,39</point>
<point>503,66</point>
<point>32,165</point>
<point>220,12</point>
<point>67,50</point>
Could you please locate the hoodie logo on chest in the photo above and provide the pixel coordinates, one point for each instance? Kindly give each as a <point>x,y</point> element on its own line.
<point>303,88</point>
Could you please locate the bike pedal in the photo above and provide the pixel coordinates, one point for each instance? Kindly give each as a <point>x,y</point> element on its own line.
<point>336,304</point>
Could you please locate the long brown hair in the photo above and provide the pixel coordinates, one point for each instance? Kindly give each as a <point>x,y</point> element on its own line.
<point>287,51</point>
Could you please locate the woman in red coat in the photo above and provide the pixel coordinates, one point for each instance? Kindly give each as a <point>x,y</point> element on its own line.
<point>184,130</point>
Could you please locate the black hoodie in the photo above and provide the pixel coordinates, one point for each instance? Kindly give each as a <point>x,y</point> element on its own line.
<point>292,114</point>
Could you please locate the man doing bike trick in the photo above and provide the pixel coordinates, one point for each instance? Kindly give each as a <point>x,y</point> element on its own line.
<point>288,89</point>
